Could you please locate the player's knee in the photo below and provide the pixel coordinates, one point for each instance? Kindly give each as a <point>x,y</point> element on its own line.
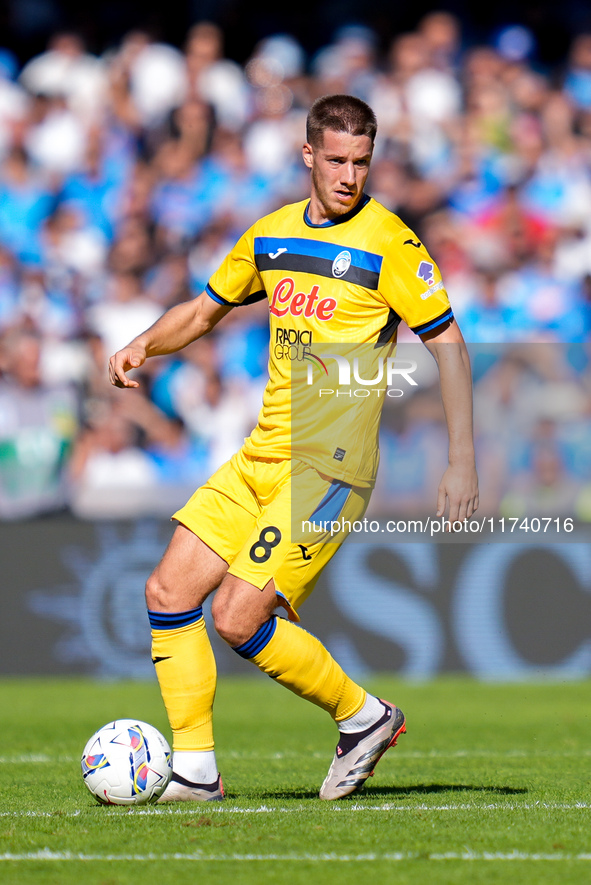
<point>224,619</point>
<point>159,597</point>
<point>239,609</point>
<point>229,621</point>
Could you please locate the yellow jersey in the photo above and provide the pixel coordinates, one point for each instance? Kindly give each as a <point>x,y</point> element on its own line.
<point>337,293</point>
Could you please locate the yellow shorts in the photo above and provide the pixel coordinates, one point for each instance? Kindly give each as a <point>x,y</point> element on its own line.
<point>250,513</point>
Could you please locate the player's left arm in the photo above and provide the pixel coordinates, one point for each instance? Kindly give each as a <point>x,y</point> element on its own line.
<point>459,485</point>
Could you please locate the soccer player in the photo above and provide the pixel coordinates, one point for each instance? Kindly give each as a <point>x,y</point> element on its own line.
<point>336,269</point>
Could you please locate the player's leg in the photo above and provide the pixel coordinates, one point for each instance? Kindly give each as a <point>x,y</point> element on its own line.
<point>214,524</point>
<point>184,660</point>
<point>299,661</point>
<point>243,616</point>
<point>270,564</point>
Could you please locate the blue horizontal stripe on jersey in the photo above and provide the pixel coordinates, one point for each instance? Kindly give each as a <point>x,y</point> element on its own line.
<point>333,502</point>
<point>174,620</point>
<point>432,324</point>
<point>256,643</point>
<point>316,249</point>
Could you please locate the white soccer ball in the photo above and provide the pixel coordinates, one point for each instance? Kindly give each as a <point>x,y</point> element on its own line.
<point>127,762</point>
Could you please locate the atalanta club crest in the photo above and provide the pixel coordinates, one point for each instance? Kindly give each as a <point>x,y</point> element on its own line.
<point>341,264</point>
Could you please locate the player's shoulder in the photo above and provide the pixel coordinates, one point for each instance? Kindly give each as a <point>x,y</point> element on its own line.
<point>285,213</point>
<point>386,223</point>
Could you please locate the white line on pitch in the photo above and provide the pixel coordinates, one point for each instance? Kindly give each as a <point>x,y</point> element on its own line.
<point>47,855</point>
<point>426,754</point>
<point>389,806</point>
<point>299,809</point>
<point>41,758</point>
<point>37,759</point>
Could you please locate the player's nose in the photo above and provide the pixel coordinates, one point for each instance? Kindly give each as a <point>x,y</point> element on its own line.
<point>348,173</point>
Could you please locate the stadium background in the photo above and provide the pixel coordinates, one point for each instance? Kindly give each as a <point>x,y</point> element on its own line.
<point>133,154</point>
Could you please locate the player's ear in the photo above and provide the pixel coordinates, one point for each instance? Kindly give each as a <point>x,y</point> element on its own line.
<point>308,155</point>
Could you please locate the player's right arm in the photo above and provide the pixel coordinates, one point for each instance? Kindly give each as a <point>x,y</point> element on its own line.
<point>178,327</point>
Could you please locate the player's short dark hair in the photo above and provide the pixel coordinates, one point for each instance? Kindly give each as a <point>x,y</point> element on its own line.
<point>341,113</point>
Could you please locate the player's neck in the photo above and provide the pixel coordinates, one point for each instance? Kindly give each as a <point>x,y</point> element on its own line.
<point>318,214</point>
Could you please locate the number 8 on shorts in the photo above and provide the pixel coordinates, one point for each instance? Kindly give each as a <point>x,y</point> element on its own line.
<point>264,544</point>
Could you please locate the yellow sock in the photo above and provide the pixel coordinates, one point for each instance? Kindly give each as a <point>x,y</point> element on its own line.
<point>299,661</point>
<point>186,671</point>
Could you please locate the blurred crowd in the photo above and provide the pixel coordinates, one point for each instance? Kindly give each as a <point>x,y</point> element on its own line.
<point>126,177</point>
<point>532,423</point>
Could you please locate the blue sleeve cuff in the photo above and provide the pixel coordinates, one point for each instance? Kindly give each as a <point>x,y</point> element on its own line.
<point>213,294</point>
<point>432,324</point>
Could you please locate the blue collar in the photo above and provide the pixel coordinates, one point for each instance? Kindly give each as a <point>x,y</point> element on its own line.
<point>341,218</point>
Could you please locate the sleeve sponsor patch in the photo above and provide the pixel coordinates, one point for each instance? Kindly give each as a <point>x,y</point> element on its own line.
<point>426,272</point>
<point>431,290</point>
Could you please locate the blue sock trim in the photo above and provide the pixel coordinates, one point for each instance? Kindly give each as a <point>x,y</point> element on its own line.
<point>261,638</point>
<point>174,620</point>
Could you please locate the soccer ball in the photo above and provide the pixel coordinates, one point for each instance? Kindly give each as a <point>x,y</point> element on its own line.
<point>127,762</point>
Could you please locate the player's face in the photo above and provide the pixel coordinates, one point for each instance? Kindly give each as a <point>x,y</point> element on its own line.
<point>339,170</point>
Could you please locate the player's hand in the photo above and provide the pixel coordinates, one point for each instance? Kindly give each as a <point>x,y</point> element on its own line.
<point>131,357</point>
<point>459,490</point>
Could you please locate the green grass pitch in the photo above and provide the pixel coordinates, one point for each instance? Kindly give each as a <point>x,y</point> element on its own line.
<point>490,784</point>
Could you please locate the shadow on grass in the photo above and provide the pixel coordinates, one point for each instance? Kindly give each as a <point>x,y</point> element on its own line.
<point>427,789</point>
<point>287,794</point>
<point>397,792</point>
